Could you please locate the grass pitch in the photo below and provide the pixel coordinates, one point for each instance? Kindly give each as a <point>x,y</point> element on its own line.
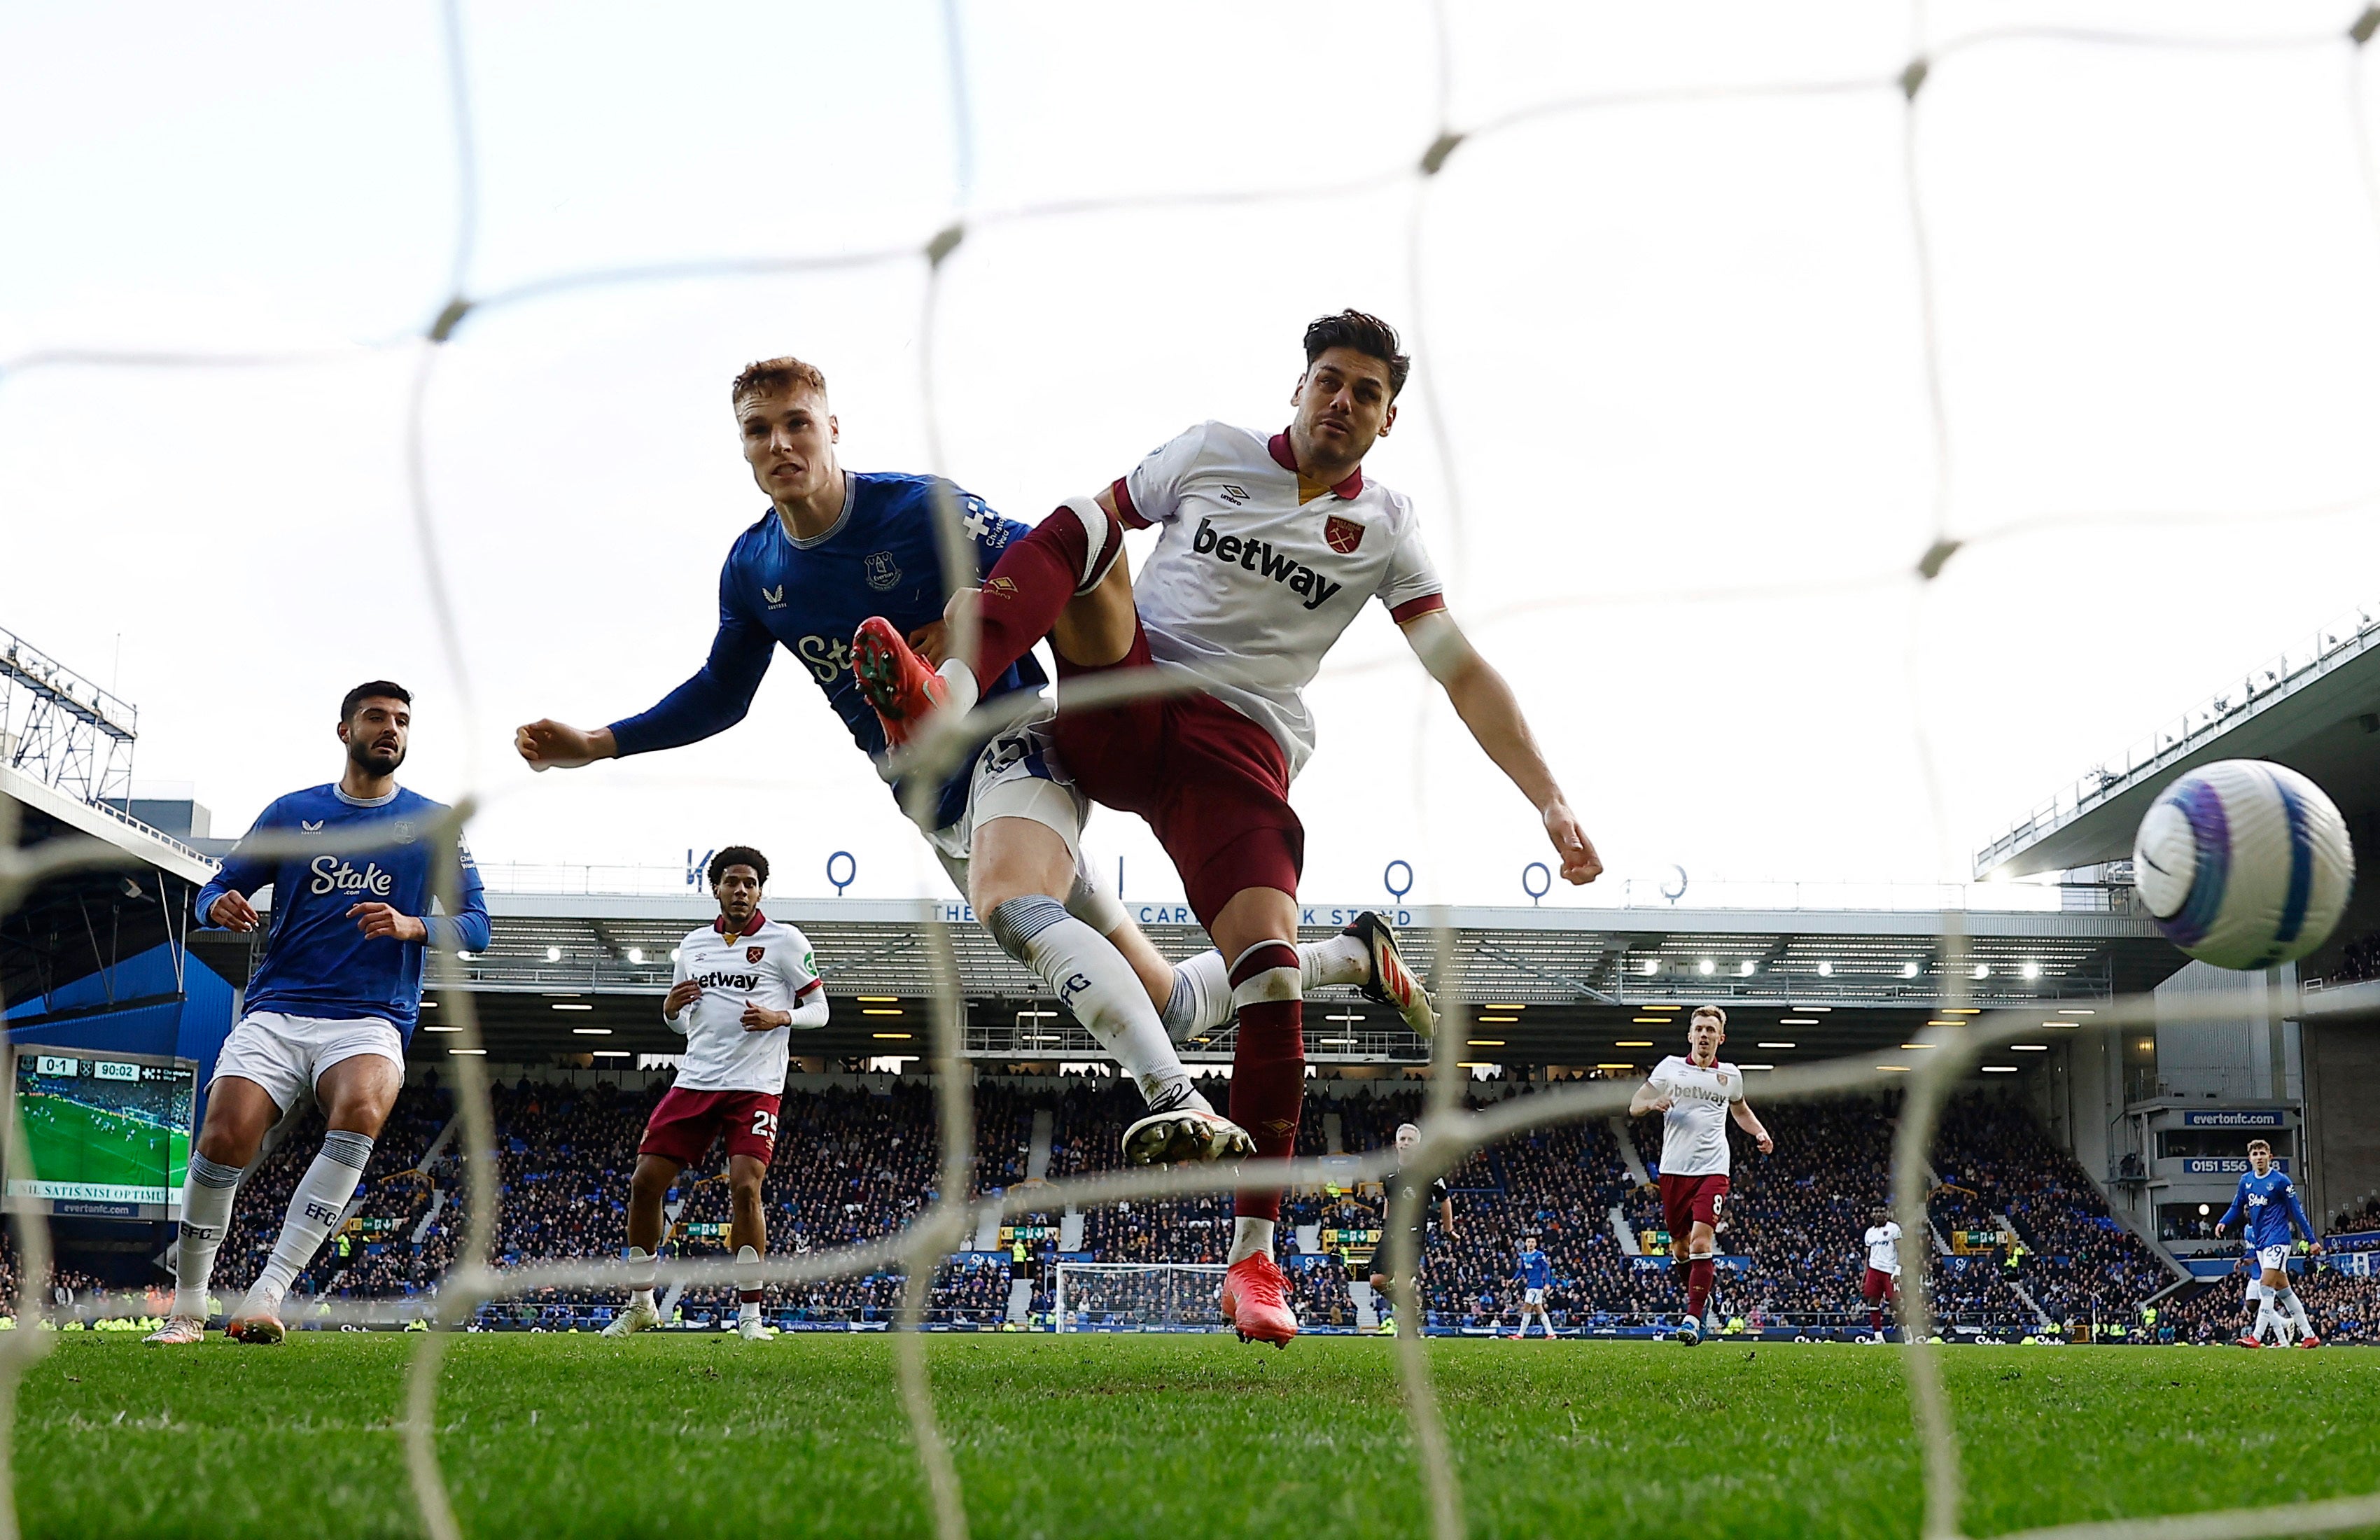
<point>680,1435</point>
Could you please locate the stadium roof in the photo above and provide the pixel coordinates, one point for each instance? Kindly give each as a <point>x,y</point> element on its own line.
<point>2315,708</point>
<point>82,920</point>
<point>585,973</point>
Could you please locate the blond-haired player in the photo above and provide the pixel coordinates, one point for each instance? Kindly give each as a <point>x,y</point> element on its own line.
<point>1695,1096</point>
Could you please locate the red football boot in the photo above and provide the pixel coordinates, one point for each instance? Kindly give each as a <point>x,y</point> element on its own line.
<point>893,679</point>
<point>1255,1301</point>
<point>2247,1342</point>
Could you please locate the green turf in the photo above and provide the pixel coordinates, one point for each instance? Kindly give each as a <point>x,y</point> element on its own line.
<point>699,1435</point>
<point>71,1142</point>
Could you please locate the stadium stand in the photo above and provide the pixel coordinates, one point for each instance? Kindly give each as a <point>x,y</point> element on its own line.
<point>859,1160</point>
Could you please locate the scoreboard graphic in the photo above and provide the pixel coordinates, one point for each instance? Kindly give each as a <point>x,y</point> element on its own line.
<point>109,1136</point>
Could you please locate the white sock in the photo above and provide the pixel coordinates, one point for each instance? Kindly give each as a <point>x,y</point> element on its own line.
<point>2265,1319</point>
<point>1202,984</point>
<point>1099,987</point>
<point>640,1276</point>
<point>1249,1237</point>
<point>1341,959</point>
<point>747,1284</point>
<point>962,686</point>
<point>314,1209</point>
<point>207,1194</point>
<point>2296,1307</point>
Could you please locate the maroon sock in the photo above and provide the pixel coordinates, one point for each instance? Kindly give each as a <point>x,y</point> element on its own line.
<point>1874,1321</point>
<point>1030,584</point>
<point>1268,1075</point>
<point>1700,1273</point>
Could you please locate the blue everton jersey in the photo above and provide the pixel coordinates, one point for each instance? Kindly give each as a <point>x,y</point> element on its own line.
<point>881,558</point>
<point>2265,1207</point>
<point>1537,1270</point>
<point>316,961</point>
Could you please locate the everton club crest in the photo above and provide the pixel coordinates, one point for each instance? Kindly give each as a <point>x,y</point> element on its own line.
<point>882,571</point>
<point>1343,534</point>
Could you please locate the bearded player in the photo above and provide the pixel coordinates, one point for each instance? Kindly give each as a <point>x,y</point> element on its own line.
<point>838,546</point>
<point>744,982</point>
<point>1269,548</point>
<point>2267,1210</point>
<point>329,1010</point>
<point>1697,1096</point>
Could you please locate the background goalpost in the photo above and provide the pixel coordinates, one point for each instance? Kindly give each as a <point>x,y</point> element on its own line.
<point>1137,1296</point>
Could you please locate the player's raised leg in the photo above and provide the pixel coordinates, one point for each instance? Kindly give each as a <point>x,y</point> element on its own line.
<point>1023,854</point>
<point>355,1093</point>
<point>648,1187</point>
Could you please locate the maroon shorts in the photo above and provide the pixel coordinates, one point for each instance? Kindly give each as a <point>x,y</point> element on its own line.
<point>1687,1201</point>
<point>1211,784</point>
<point>1877,1286</point>
<point>684,1122</point>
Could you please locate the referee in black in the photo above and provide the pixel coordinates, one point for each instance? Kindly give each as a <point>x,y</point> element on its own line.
<point>1394,1186</point>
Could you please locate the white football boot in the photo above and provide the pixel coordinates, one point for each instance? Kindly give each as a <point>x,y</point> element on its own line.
<point>633,1317</point>
<point>1187,1134</point>
<point>178,1332</point>
<point>1388,980</point>
<point>753,1330</point>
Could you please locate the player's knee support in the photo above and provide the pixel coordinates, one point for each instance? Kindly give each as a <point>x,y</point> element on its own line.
<point>1266,971</point>
<point>1015,923</point>
<point>1095,906</point>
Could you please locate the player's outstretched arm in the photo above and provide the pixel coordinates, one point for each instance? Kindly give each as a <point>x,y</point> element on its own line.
<point>714,700</point>
<point>1488,707</point>
<point>1745,1118</point>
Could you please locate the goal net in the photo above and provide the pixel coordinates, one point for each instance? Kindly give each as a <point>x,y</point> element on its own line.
<point>1743,394</point>
<point>1137,1296</point>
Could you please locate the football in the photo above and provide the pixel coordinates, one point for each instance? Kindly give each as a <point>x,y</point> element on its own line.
<point>2245,863</point>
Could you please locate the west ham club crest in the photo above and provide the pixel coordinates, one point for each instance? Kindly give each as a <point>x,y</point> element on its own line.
<point>1343,534</point>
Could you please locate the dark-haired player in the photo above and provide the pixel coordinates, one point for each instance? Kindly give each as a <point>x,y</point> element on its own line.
<point>332,1006</point>
<point>1270,547</point>
<point>1881,1282</point>
<point>741,982</point>
<point>836,547</point>
<point>1695,1096</point>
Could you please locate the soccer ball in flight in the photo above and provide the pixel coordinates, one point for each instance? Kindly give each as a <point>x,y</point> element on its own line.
<point>2245,863</point>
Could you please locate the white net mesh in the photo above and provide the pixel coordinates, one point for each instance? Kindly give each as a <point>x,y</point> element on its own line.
<point>1450,334</point>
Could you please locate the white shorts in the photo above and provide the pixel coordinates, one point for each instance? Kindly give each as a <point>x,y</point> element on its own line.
<point>1018,776</point>
<point>288,1054</point>
<point>1533,1296</point>
<point>2273,1260</point>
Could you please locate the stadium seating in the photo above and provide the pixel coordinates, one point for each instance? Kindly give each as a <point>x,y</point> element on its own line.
<point>859,1161</point>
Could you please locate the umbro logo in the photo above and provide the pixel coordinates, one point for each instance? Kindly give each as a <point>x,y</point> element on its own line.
<point>1312,590</point>
<point>1234,495</point>
<point>776,597</point>
<point>312,826</point>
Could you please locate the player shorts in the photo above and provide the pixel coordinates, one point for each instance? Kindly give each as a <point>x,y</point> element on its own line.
<point>288,1054</point>
<point>1877,1285</point>
<point>1018,775</point>
<point>1687,1201</point>
<point>684,1122</point>
<point>2273,1260</point>
<point>1533,1296</point>
<point>1212,785</point>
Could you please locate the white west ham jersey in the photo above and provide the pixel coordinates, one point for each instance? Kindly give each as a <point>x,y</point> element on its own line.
<point>1259,571</point>
<point>1693,1130</point>
<point>772,965</point>
<point>1884,1248</point>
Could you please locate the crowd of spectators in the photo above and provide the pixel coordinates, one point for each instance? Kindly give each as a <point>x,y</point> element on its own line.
<point>859,1161</point>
